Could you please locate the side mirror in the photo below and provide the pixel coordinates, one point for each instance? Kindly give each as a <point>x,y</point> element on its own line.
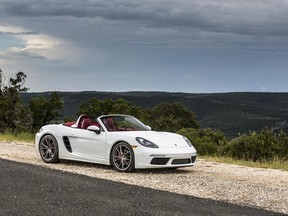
<point>148,127</point>
<point>94,128</point>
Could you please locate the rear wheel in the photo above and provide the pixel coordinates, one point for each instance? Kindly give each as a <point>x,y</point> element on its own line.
<point>122,157</point>
<point>48,149</point>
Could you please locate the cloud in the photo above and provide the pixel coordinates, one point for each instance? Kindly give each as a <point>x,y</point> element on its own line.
<point>211,23</point>
<point>32,45</point>
<point>239,17</point>
<point>247,26</point>
<point>12,30</point>
<point>18,53</point>
<point>18,33</point>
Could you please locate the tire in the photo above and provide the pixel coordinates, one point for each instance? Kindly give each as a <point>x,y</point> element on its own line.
<point>122,157</point>
<point>48,149</point>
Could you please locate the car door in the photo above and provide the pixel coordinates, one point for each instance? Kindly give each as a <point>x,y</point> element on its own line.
<point>87,145</point>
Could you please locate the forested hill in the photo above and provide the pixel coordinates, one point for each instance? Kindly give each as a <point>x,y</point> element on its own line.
<point>228,112</point>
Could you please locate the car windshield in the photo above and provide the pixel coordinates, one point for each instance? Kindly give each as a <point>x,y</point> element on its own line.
<point>123,123</point>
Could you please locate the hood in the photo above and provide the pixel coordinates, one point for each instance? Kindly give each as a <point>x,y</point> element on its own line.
<point>162,139</point>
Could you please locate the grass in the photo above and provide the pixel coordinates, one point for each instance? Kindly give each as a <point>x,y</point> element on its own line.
<point>20,137</point>
<point>275,164</point>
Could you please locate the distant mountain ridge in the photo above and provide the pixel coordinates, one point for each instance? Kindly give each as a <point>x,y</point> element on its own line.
<point>228,112</point>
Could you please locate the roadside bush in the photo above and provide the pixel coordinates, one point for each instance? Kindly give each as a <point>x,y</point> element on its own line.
<point>262,146</point>
<point>206,141</point>
<point>281,148</point>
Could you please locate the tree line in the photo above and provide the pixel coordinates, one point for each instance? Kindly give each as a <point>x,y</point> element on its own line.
<point>17,117</point>
<point>265,145</point>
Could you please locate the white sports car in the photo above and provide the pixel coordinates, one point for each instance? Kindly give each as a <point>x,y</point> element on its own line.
<point>119,140</point>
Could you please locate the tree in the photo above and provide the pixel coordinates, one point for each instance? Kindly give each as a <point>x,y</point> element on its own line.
<point>13,114</point>
<point>170,117</point>
<point>122,106</point>
<point>1,81</point>
<point>44,110</point>
<point>18,82</point>
<point>95,107</point>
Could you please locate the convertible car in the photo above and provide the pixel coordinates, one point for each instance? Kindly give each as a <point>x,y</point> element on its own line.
<point>119,140</point>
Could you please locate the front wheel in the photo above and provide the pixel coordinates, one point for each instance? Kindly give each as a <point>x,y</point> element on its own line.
<point>122,157</point>
<point>48,149</point>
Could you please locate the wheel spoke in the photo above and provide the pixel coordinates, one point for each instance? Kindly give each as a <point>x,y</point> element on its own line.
<point>44,148</point>
<point>126,153</point>
<point>126,162</point>
<point>122,157</point>
<point>117,151</point>
<point>121,150</point>
<point>48,148</point>
<point>45,153</point>
<point>44,143</point>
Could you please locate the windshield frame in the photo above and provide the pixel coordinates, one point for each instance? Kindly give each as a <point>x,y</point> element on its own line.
<point>122,123</point>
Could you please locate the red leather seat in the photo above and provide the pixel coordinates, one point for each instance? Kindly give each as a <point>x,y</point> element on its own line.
<point>86,123</point>
<point>110,124</point>
<point>80,120</point>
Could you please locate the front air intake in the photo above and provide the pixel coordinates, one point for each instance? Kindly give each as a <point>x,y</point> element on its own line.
<point>193,158</point>
<point>181,161</point>
<point>159,161</point>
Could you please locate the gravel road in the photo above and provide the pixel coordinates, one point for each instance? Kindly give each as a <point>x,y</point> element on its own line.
<point>254,187</point>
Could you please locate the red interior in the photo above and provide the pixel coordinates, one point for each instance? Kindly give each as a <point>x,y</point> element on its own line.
<point>83,122</point>
<point>69,124</point>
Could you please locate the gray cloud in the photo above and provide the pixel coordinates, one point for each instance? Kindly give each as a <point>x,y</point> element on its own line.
<point>214,24</point>
<point>246,17</point>
<point>21,55</point>
<point>19,33</point>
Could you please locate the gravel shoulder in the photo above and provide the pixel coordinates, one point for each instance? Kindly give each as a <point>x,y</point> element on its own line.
<point>262,188</point>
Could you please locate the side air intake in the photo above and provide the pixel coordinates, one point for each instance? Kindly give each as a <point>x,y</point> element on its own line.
<point>67,143</point>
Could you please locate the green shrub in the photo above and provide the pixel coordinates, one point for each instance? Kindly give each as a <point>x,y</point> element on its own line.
<point>262,146</point>
<point>206,141</point>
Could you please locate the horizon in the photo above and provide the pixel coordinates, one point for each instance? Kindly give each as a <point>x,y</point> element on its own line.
<point>132,91</point>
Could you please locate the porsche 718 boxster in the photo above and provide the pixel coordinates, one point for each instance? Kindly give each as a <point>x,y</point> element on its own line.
<point>119,140</point>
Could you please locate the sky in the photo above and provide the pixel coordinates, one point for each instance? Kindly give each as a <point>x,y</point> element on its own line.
<point>193,46</point>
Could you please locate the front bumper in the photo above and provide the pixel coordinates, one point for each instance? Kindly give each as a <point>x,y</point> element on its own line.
<point>169,158</point>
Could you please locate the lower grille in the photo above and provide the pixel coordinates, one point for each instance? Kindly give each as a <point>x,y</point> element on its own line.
<point>193,159</point>
<point>159,161</point>
<point>182,161</point>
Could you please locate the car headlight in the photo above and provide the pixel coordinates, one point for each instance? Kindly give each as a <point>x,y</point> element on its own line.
<point>188,141</point>
<point>146,143</point>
